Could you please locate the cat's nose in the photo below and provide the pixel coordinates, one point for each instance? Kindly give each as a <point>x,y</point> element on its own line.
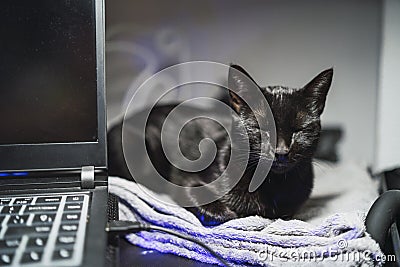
<point>282,158</point>
<point>281,152</point>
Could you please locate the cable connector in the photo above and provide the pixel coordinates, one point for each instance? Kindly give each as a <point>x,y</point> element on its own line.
<point>122,228</point>
<point>125,227</point>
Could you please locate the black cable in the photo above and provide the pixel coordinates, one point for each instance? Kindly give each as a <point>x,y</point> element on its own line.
<point>128,227</point>
<point>382,215</point>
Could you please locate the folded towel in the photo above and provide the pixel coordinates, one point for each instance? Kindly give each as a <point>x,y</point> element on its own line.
<point>339,188</point>
<point>339,240</point>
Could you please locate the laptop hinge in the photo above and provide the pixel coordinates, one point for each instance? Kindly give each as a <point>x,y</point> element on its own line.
<point>87,177</point>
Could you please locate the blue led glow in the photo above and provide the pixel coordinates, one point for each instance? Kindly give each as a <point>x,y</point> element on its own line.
<point>5,174</point>
<point>206,222</point>
<point>146,252</point>
<point>153,244</point>
<point>19,174</point>
<point>211,223</point>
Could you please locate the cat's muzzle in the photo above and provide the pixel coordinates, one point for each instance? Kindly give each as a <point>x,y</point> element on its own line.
<point>280,163</point>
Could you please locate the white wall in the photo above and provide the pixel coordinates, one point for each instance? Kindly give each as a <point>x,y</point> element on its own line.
<point>388,127</point>
<point>279,42</point>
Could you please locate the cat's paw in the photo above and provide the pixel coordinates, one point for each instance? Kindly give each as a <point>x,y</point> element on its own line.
<point>215,215</point>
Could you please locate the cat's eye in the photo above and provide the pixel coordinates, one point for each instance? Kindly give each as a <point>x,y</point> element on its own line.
<point>299,128</point>
<point>296,129</point>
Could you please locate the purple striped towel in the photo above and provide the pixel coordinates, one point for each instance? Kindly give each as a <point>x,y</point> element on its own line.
<point>339,240</point>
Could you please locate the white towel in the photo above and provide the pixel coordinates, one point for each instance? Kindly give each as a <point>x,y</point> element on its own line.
<point>335,240</point>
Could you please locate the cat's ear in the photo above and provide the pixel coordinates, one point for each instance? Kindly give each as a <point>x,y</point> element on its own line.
<point>316,91</point>
<point>238,83</point>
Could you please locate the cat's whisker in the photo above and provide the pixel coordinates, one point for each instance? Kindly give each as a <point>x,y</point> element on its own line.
<point>323,163</point>
<point>322,167</point>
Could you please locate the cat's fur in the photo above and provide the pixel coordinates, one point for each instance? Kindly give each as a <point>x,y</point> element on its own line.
<point>289,183</point>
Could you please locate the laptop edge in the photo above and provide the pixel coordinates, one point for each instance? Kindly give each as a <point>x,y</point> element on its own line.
<point>77,166</point>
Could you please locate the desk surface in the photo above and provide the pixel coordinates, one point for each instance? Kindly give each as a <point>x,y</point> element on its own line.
<point>135,256</point>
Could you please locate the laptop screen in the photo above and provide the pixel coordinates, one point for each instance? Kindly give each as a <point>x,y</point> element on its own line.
<point>48,76</point>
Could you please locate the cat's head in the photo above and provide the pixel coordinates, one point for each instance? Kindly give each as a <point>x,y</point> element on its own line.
<point>296,113</point>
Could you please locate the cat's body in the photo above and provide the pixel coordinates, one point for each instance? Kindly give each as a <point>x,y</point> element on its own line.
<point>289,183</point>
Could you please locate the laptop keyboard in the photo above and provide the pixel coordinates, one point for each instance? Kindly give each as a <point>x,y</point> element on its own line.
<point>43,230</point>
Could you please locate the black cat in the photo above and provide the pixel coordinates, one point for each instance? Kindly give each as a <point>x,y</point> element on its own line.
<point>289,183</point>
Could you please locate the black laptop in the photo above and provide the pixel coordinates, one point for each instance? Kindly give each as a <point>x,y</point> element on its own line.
<point>53,171</point>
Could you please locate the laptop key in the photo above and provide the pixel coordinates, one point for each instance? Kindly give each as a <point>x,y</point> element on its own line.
<point>23,201</point>
<point>10,210</point>
<point>73,207</point>
<point>6,258</point>
<point>41,208</point>
<point>31,257</point>
<point>5,201</point>
<point>65,240</point>
<point>18,219</point>
<point>48,200</point>
<point>43,218</point>
<point>11,243</point>
<point>63,254</point>
<point>20,231</point>
<point>70,217</point>
<point>2,217</point>
<point>74,199</point>
<point>36,242</point>
<point>68,228</point>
